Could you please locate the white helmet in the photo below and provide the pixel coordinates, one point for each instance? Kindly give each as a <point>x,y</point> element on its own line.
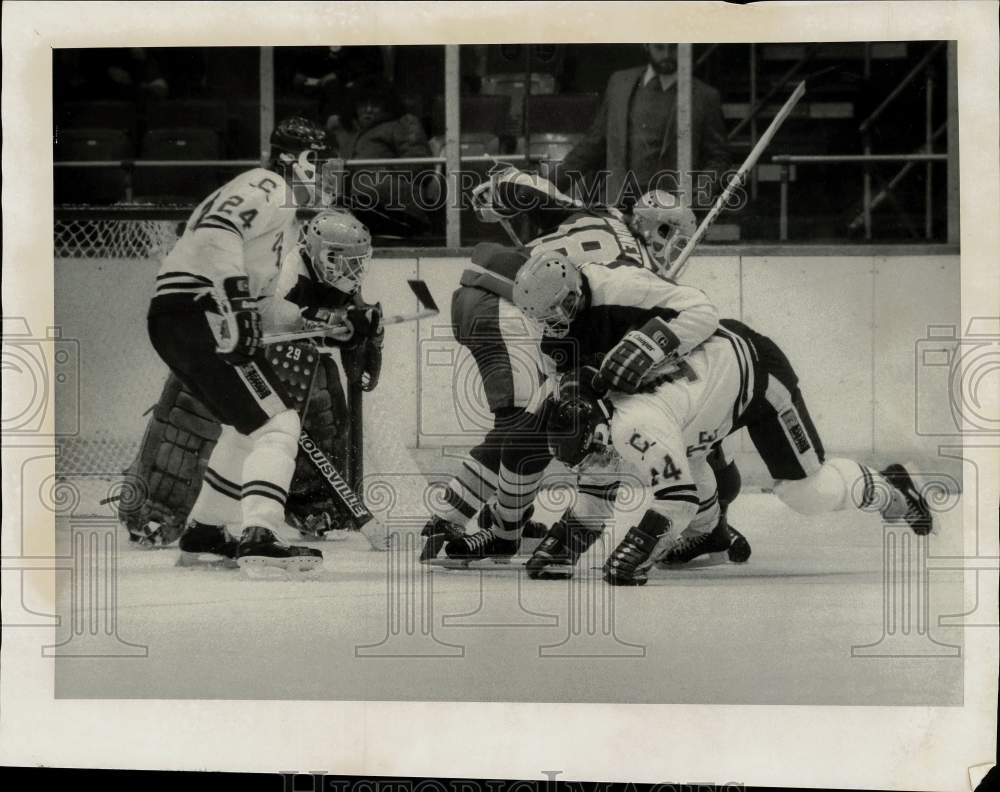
<point>340,248</point>
<point>549,290</point>
<point>664,224</point>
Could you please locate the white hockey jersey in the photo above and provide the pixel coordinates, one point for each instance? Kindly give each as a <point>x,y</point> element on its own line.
<point>620,298</point>
<point>599,238</point>
<point>241,229</point>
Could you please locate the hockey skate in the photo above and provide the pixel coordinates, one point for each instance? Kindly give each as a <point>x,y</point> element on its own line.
<point>918,514</point>
<point>481,545</point>
<point>628,564</point>
<point>261,550</point>
<point>555,558</point>
<point>739,549</point>
<point>436,532</point>
<point>207,545</point>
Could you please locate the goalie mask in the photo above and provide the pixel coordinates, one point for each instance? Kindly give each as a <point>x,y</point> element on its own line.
<point>340,248</point>
<point>549,290</point>
<point>297,146</point>
<point>664,224</point>
<point>579,423</point>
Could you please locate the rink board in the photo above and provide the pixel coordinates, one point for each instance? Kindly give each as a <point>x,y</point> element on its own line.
<point>854,326</point>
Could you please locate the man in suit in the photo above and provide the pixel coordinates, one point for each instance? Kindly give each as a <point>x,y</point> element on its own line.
<point>634,136</point>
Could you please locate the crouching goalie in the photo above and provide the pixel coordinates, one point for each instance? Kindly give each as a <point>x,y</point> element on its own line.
<point>225,281</point>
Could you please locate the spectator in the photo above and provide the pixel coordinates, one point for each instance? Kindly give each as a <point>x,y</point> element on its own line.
<point>634,136</point>
<point>332,74</point>
<point>378,128</point>
<point>120,74</point>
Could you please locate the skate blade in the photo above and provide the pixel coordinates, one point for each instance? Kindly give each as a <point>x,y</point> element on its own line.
<point>205,561</point>
<point>554,572</point>
<point>265,567</point>
<point>707,560</point>
<point>514,563</point>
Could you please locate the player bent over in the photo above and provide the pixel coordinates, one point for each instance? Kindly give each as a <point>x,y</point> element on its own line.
<point>511,367</point>
<point>505,347</point>
<point>676,381</point>
<point>206,322</point>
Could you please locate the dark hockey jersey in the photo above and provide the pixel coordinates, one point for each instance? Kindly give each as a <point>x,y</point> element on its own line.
<point>619,297</point>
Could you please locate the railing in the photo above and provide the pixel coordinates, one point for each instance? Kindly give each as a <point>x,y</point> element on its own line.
<point>440,163</point>
<point>864,128</point>
<point>788,160</point>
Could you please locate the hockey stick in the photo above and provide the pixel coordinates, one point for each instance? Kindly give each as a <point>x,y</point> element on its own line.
<point>680,264</point>
<point>372,528</point>
<point>428,309</point>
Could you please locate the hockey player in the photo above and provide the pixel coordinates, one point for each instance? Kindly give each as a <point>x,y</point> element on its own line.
<point>206,322</point>
<point>506,349</point>
<point>512,367</point>
<point>675,382</point>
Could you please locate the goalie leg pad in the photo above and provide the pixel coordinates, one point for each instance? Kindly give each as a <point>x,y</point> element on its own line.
<point>311,508</point>
<point>168,469</point>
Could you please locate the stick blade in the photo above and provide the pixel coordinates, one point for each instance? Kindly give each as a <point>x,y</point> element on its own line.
<point>423,294</point>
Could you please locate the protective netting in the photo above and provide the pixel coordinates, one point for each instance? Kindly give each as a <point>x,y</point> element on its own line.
<point>118,237</point>
<point>114,238</point>
<point>105,260</point>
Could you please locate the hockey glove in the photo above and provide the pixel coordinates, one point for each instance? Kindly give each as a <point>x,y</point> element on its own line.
<point>333,321</point>
<point>628,362</point>
<point>363,322</point>
<point>239,334</point>
<point>372,354</point>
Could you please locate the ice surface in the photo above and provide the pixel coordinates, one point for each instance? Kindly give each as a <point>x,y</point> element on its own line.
<point>778,630</point>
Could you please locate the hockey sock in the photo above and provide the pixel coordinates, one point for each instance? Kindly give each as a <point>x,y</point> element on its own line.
<point>472,486</point>
<point>707,516</point>
<point>521,469</point>
<point>267,471</point>
<point>515,493</point>
<point>218,501</point>
<point>523,460</point>
<point>841,483</point>
<point>729,483</point>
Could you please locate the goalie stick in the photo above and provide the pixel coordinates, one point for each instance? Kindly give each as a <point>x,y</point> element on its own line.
<point>372,528</point>
<point>428,309</point>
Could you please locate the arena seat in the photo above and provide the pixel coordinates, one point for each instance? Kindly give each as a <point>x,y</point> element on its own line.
<point>563,113</point>
<point>182,143</point>
<point>90,185</point>
<point>174,114</point>
<point>483,119</point>
<point>99,115</point>
<point>557,122</point>
<point>243,140</point>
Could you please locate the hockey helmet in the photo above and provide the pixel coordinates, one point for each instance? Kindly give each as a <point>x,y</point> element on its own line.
<point>298,145</point>
<point>664,224</point>
<point>579,422</point>
<point>549,290</point>
<point>293,136</point>
<point>340,248</point>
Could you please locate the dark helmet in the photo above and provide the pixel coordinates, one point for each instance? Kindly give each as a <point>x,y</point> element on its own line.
<point>293,136</point>
<point>578,423</point>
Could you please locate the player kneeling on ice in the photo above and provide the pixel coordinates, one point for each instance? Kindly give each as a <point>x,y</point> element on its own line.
<point>674,381</point>
<point>221,285</point>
